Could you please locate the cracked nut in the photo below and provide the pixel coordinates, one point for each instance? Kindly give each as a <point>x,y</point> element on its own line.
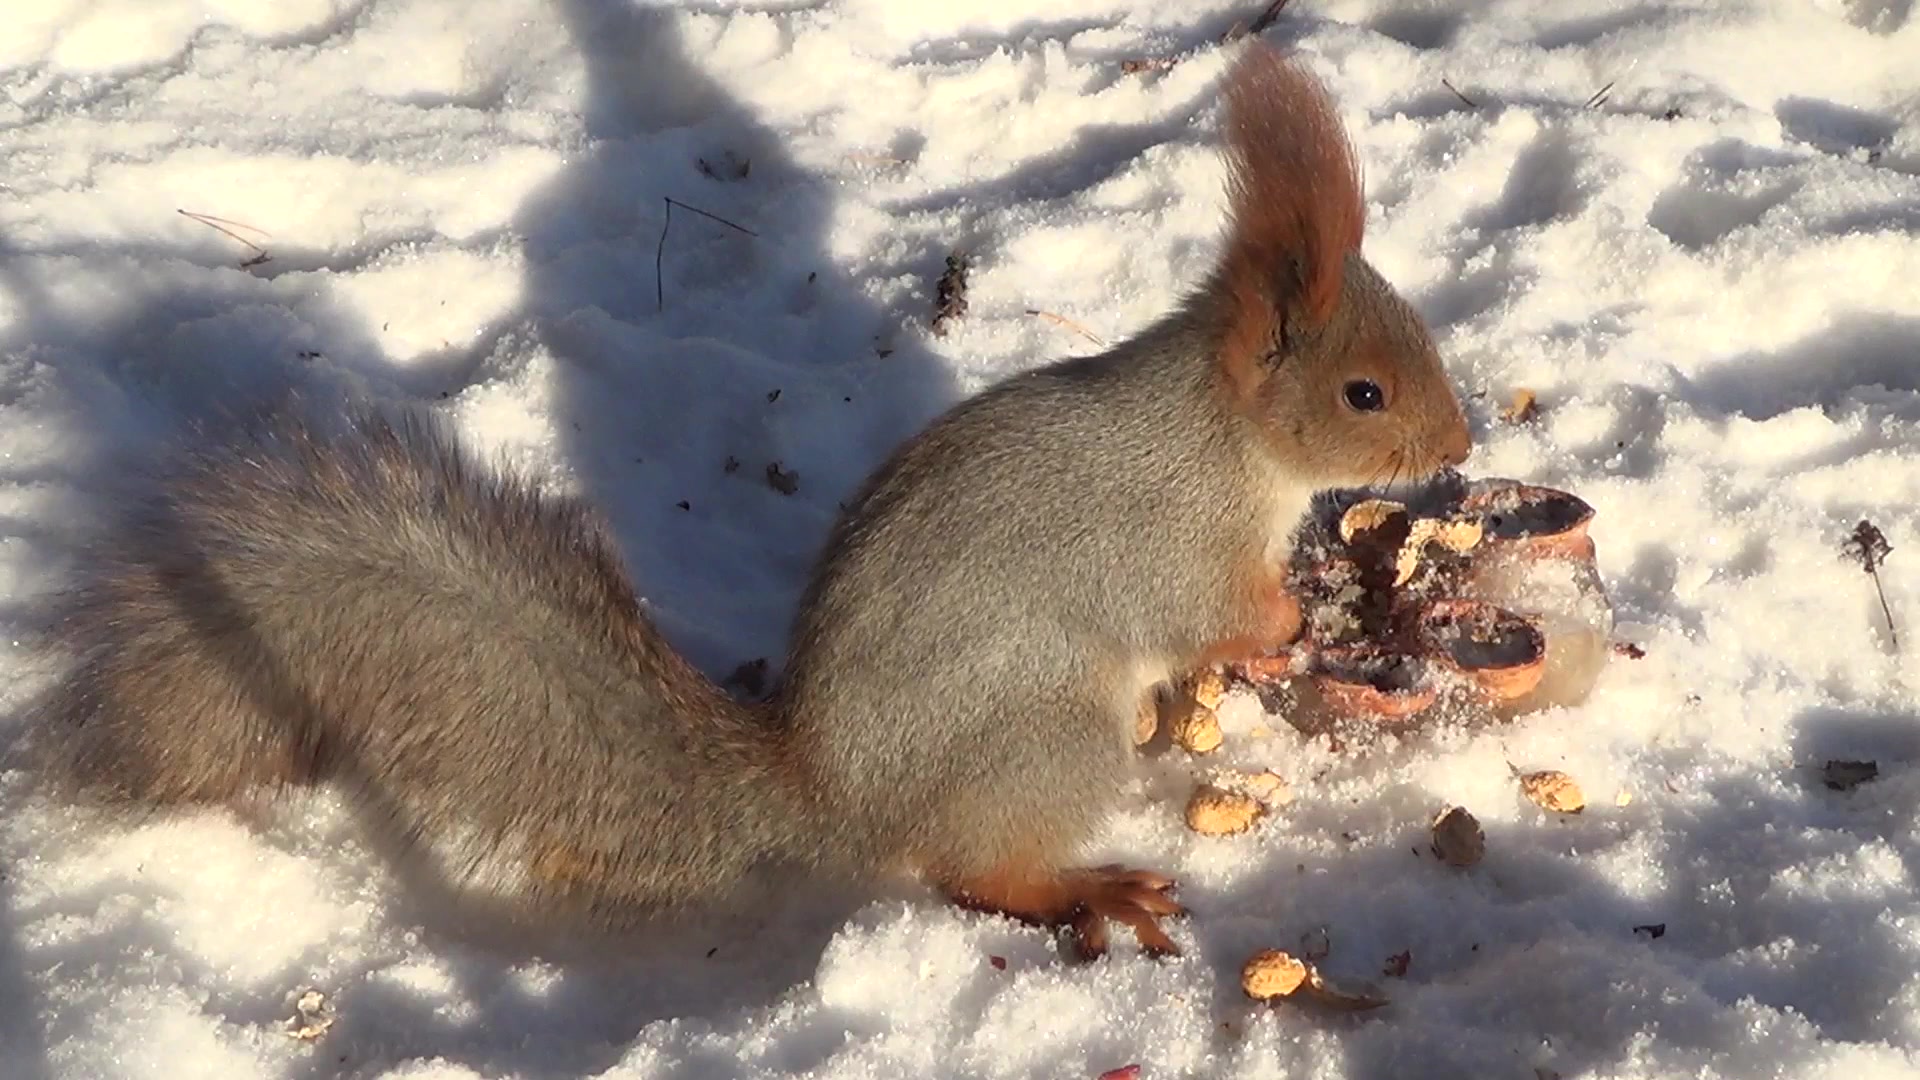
<point>1208,688</point>
<point>1458,536</point>
<point>1554,790</point>
<point>1215,811</point>
<point>1197,730</point>
<point>1270,973</point>
<point>1268,787</point>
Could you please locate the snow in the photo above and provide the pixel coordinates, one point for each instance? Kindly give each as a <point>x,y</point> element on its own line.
<point>1707,276</point>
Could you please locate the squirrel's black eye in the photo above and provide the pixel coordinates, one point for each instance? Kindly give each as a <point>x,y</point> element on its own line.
<point>1365,395</point>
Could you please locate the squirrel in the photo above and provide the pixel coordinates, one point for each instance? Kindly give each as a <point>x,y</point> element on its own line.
<point>462,654</point>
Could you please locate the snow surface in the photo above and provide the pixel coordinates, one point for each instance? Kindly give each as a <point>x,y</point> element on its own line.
<point>1709,277</point>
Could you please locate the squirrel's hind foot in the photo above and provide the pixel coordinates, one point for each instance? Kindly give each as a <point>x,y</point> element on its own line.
<point>1084,900</point>
<point>1137,899</point>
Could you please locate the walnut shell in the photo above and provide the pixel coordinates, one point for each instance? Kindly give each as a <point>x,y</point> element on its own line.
<point>1554,790</point>
<point>1270,973</point>
<point>1215,811</point>
<point>1367,516</point>
<point>1458,838</point>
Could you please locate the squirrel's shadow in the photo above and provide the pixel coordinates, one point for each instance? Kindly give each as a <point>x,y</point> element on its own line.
<point>717,411</point>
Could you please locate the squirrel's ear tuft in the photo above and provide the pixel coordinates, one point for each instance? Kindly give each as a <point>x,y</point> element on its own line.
<point>1294,192</point>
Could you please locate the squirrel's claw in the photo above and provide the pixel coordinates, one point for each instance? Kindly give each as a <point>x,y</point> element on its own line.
<point>1084,901</point>
<point>1137,899</point>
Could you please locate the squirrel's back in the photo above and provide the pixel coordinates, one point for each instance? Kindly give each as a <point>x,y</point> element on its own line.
<point>460,653</point>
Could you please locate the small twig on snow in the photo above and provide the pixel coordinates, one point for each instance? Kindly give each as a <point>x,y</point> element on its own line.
<point>1599,97</point>
<point>219,224</point>
<point>1471,104</point>
<point>1868,546</point>
<point>660,250</point>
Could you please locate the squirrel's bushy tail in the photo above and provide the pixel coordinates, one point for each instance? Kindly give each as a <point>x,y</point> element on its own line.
<point>361,604</point>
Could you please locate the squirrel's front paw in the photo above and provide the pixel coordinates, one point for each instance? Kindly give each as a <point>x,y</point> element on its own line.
<point>1083,900</point>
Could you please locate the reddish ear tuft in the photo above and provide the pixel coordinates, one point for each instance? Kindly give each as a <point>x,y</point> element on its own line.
<point>1294,189</point>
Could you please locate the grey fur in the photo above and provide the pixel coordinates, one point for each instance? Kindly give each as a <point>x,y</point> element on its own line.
<point>461,654</point>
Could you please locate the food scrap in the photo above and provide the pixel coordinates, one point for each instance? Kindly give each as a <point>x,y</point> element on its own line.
<point>1215,811</point>
<point>1270,973</point>
<point>1196,729</point>
<point>1523,407</point>
<point>1457,837</point>
<point>1267,786</point>
<point>1554,790</point>
<point>1369,515</point>
<point>1208,687</point>
<point>313,1016</point>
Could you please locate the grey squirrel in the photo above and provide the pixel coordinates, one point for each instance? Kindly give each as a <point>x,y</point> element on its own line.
<point>464,656</point>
